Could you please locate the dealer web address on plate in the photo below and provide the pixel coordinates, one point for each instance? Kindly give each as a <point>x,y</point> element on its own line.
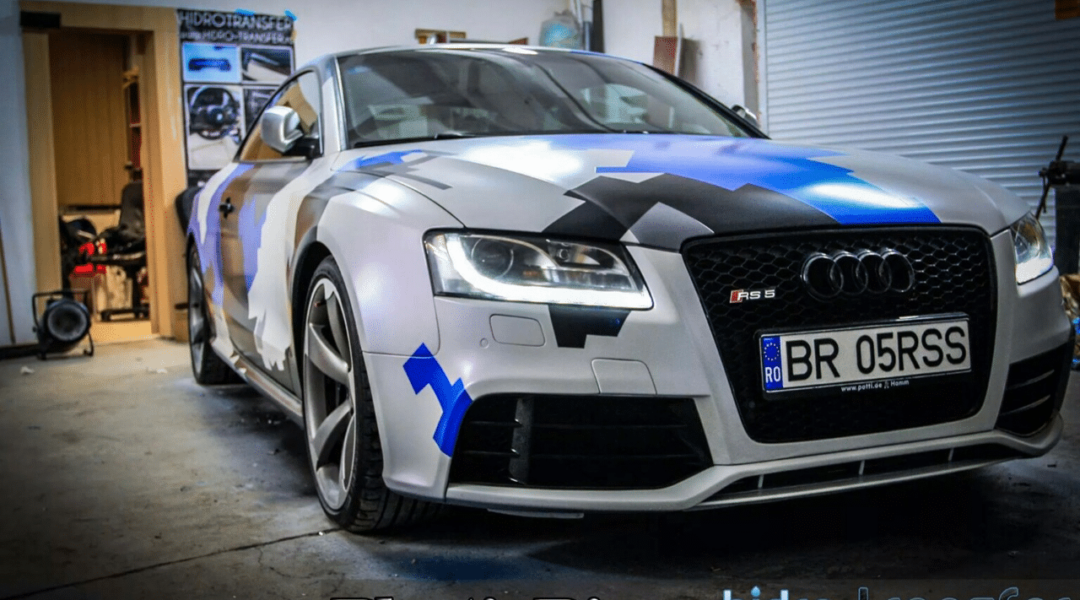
<point>876,385</point>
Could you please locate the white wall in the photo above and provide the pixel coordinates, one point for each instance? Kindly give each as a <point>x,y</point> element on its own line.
<point>718,49</point>
<point>15,217</point>
<point>720,36</point>
<point>322,26</point>
<point>630,26</point>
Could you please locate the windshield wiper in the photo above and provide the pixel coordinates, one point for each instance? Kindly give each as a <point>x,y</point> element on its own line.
<point>442,135</point>
<point>646,131</point>
<point>450,134</point>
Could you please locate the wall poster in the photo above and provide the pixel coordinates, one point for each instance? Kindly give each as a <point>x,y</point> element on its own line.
<point>230,63</point>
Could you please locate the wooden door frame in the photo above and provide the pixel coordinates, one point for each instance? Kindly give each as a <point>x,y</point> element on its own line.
<point>164,172</point>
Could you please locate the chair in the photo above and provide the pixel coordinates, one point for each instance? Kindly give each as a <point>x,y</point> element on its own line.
<point>74,237</point>
<point>125,247</point>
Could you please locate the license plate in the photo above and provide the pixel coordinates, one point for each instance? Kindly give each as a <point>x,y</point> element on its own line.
<point>852,358</point>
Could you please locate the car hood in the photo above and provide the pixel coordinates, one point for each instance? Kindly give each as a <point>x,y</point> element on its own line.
<point>660,190</point>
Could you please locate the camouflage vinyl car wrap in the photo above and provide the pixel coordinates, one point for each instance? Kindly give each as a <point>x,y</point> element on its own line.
<point>430,357</point>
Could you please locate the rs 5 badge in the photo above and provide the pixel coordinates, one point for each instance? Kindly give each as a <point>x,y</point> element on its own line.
<point>738,296</point>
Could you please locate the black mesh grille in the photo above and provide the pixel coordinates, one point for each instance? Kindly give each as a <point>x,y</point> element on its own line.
<point>954,274</point>
<point>582,442</point>
<point>1034,391</point>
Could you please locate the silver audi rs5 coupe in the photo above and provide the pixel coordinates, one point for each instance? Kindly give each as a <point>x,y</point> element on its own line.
<point>552,282</point>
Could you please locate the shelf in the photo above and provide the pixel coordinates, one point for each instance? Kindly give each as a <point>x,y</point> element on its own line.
<point>131,108</point>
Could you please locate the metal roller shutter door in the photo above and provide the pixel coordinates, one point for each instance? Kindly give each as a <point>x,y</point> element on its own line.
<point>986,87</point>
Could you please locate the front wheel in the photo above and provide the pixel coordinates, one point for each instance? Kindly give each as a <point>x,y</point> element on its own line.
<point>344,450</point>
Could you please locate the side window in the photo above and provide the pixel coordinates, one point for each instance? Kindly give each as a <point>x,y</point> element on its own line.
<point>301,95</point>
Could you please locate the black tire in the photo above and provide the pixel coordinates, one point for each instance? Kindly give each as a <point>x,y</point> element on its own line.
<point>206,365</point>
<point>368,505</point>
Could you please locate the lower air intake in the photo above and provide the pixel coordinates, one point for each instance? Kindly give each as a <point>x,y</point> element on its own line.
<point>579,442</point>
<point>1034,392</point>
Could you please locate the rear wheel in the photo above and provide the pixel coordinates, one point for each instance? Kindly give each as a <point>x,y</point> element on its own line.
<point>207,367</point>
<point>339,416</point>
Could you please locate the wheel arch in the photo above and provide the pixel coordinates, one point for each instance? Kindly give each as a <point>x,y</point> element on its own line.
<point>376,237</point>
<point>189,242</point>
<point>309,257</point>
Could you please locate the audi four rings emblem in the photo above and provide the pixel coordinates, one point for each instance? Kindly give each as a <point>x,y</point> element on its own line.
<point>853,273</point>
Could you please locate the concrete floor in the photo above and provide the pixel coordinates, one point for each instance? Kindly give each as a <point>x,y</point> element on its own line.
<point>122,478</point>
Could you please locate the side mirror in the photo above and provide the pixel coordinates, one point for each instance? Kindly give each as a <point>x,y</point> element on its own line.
<point>746,115</point>
<point>280,128</point>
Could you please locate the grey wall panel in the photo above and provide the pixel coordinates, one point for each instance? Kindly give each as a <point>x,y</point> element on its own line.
<point>986,87</point>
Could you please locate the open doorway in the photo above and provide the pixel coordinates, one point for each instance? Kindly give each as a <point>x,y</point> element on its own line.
<point>145,75</point>
<point>97,129</point>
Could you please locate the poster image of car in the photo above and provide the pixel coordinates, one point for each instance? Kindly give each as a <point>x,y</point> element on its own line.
<point>254,100</point>
<point>265,64</point>
<point>214,117</point>
<point>211,63</point>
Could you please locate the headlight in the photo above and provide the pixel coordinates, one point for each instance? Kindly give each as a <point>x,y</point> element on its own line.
<point>1033,255</point>
<point>534,269</point>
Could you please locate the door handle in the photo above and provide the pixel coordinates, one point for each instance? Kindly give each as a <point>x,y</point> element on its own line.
<point>226,207</point>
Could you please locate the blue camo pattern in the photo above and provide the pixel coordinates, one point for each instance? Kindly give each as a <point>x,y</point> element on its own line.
<point>731,163</point>
<point>424,370</point>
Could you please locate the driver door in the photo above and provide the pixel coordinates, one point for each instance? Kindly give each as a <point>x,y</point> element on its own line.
<point>253,237</point>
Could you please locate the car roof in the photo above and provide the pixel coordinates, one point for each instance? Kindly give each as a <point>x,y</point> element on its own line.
<point>323,60</point>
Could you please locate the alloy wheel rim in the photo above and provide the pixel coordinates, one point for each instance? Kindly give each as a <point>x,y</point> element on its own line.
<point>329,394</point>
<point>196,316</point>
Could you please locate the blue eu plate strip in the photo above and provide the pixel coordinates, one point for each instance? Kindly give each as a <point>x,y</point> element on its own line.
<point>772,363</point>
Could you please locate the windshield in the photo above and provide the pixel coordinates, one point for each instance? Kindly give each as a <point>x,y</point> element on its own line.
<point>436,93</point>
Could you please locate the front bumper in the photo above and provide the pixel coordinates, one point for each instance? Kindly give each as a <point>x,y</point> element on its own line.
<point>796,477</point>
<point>668,351</point>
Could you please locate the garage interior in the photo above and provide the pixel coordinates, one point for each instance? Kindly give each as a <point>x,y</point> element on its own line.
<point>126,479</point>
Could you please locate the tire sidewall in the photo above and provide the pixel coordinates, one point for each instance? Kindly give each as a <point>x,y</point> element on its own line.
<point>198,367</point>
<point>362,464</point>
